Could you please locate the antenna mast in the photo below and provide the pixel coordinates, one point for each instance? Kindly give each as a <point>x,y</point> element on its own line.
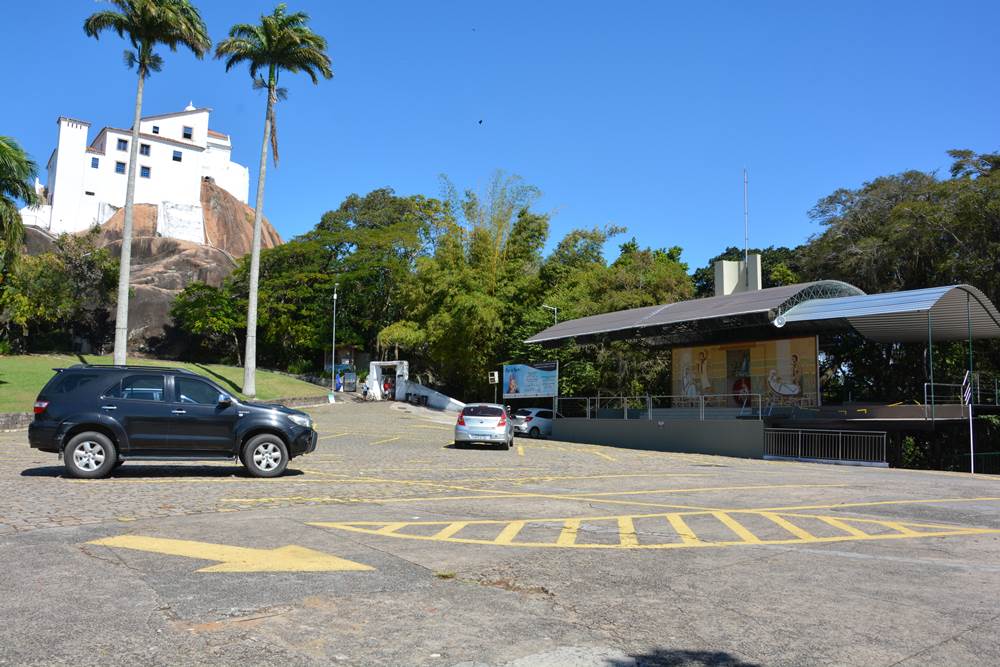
<point>746,230</point>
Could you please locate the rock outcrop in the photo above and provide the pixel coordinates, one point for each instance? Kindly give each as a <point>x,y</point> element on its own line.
<point>162,267</point>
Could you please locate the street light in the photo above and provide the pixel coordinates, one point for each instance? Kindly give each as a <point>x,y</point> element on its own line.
<point>333,349</point>
<point>555,313</point>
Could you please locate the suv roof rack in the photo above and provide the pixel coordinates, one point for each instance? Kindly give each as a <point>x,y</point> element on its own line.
<point>129,367</point>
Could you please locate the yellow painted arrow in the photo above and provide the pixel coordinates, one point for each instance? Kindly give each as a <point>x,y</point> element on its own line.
<point>290,558</point>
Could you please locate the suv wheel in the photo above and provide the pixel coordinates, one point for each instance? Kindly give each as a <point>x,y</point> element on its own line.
<point>265,455</point>
<point>89,455</point>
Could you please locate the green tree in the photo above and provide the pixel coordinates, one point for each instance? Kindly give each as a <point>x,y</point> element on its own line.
<point>57,296</point>
<point>779,266</point>
<point>280,42</point>
<point>17,173</point>
<point>211,313</point>
<point>146,24</point>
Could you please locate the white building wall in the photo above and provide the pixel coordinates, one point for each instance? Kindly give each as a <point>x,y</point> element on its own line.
<point>83,193</point>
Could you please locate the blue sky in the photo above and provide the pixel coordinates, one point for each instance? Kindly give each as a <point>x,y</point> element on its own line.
<point>640,114</point>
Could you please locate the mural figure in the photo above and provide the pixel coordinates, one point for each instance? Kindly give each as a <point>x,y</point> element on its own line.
<point>690,389</point>
<point>706,384</point>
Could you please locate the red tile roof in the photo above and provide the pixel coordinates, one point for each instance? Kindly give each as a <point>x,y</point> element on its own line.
<point>213,133</point>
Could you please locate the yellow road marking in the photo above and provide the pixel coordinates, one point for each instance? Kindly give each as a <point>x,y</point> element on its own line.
<point>840,525</point>
<point>391,528</point>
<point>509,532</point>
<point>789,526</point>
<point>567,538</point>
<point>626,532</point>
<point>289,558</point>
<point>450,530</point>
<point>736,527</point>
<point>443,428</point>
<point>569,534</point>
<point>873,503</point>
<point>520,450</point>
<point>335,435</point>
<point>381,442</point>
<point>681,528</point>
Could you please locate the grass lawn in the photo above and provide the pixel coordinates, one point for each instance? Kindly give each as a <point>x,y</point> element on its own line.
<point>21,378</point>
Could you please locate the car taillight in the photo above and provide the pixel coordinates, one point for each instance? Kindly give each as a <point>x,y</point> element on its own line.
<point>528,419</point>
<point>461,420</point>
<point>40,406</point>
<point>503,420</point>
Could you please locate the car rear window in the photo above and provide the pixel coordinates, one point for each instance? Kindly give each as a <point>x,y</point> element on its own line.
<point>481,411</point>
<point>65,383</point>
<point>140,388</point>
<point>523,412</point>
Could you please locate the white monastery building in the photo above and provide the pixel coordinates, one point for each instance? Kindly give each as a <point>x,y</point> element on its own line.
<point>86,182</point>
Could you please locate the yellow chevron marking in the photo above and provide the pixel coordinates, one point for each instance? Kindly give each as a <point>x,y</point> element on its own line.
<point>627,536</point>
<point>737,528</point>
<point>450,530</point>
<point>789,526</point>
<point>509,532</point>
<point>567,538</point>
<point>840,525</point>
<point>684,536</point>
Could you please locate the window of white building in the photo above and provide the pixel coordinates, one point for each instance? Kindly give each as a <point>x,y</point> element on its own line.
<point>122,145</point>
<point>144,172</point>
<point>177,156</point>
<point>188,132</point>
<point>144,149</point>
<point>94,163</point>
<point>119,167</point>
<point>156,129</point>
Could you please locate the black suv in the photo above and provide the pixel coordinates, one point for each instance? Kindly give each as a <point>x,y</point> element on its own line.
<point>98,417</point>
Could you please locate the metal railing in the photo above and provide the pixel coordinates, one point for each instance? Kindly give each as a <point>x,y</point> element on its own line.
<point>862,447</point>
<point>661,408</point>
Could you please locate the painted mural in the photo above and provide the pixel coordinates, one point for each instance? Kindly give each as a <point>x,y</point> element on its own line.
<point>783,371</point>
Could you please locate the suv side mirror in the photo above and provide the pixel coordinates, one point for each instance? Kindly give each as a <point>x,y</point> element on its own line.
<point>225,401</point>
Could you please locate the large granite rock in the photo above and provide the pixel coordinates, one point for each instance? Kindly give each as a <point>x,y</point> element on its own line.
<point>162,267</point>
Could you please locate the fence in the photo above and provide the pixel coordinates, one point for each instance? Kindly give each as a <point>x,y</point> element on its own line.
<point>660,408</point>
<point>860,447</point>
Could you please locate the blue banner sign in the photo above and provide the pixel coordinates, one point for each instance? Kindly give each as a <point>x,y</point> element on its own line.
<point>539,380</point>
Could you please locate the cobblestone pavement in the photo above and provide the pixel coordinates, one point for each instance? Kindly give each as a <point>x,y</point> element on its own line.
<point>550,553</point>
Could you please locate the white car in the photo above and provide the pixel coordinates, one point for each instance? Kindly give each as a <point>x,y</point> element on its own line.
<point>484,422</point>
<point>533,422</point>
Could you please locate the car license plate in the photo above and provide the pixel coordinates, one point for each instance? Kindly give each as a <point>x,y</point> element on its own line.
<point>487,436</point>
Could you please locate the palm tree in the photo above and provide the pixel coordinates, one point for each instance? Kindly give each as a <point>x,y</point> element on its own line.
<point>279,42</point>
<point>146,24</point>
<point>17,173</point>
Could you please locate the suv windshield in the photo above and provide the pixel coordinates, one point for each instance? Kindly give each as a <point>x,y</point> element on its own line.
<point>481,411</point>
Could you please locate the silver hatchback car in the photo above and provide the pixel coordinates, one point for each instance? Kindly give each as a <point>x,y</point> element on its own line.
<point>484,422</point>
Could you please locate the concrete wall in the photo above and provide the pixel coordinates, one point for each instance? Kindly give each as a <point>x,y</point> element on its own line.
<point>729,437</point>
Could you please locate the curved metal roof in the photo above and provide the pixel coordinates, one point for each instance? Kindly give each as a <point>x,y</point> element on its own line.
<point>690,320</point>
<point>943,312</point>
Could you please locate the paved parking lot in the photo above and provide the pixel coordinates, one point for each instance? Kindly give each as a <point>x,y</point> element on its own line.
<point>390,546</point>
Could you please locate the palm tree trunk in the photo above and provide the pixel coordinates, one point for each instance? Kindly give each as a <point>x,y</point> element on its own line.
<point>250,358</point>
<point>125,263</point>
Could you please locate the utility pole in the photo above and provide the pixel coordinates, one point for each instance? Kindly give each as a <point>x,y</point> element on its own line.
<point>333,349</point>
<point>555,313</point>
<point>746,229</point>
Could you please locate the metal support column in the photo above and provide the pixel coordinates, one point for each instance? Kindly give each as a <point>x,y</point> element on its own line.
<point>972,447</point>
<point>930,358</point>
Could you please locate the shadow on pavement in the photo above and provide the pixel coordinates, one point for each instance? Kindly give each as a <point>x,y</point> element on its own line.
<point>463,445</point>
<point>139,471</point>
<point>664,657</point>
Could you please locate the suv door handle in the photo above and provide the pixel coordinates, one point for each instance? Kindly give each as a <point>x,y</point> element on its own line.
<point>109,407</point>
<point>178,412</point>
